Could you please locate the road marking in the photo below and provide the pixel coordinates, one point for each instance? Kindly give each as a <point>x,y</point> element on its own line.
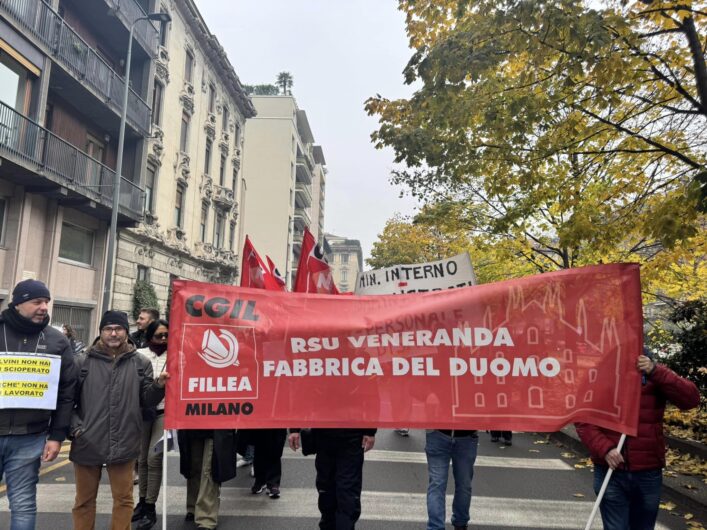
<point>496,512</point>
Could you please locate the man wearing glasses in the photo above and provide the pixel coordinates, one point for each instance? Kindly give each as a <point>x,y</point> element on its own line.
<point>115,384</point>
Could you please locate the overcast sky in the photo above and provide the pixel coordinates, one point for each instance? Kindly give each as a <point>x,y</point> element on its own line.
<point>339,52</point>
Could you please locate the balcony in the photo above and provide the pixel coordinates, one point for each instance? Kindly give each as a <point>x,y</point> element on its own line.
<point>32,155</point>
<point>223,197</point>
<point>302,219</point>
<point>128,11</point>
<point>303,196</point>
<point>303,173</point>
<point>58,40</point>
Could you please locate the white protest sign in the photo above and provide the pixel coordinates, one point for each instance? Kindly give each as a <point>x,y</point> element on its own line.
<point>447,273</point>
<point>29,380</point>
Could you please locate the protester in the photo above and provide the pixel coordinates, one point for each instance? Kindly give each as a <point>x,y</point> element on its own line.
<point>207,458</point>
<point>115,384</point>
<point>28,436</point>
<point>144,318</point>
<point>632,496</point>
<point>77,345</point>
<point>267,459</point>
<point>441,447</point>
<point>339,464</point>
<point>506,435</point>
<point>150,460</point>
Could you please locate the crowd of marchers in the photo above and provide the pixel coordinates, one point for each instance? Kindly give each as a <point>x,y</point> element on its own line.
<point>110,404</point>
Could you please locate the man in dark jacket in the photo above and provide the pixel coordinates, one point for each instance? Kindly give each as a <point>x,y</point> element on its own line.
<point>30,435</point>
<point>339,464</point>
<point>632,497</point>
<point>207,458</point>
<point>145,317</point>
<point>115,384</point>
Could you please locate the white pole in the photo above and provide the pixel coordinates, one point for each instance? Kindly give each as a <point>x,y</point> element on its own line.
<point>603,487</point>
<point>164,480</point>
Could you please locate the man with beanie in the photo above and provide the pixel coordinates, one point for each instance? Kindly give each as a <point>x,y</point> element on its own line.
<point>115,384</point>
<point>28,436</point>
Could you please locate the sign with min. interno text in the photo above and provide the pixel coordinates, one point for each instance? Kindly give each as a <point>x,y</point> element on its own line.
<point>529,354</point>
<point>439,275</point>
<point>29,380</point>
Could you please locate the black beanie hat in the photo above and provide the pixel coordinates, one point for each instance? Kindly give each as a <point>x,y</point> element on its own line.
<point>29,290</point>
<point>114,318</point>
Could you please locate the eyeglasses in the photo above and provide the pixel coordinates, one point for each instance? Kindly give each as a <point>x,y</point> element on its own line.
<point>112,329</point>
<point>160,336</point>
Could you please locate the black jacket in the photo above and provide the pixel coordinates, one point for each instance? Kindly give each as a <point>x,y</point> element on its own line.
<point>223,465</point>
<point>107,424</point>
<point>32,421</point>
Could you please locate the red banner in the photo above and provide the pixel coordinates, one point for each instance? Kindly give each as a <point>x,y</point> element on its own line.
<point>531,354</point>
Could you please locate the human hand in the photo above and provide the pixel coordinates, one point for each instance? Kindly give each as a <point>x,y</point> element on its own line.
<point>368,442</point>
<point>645,364</point>
<point>162,379</point>
<point>614,458</point>
<point>294,441</point>
<point>51,450</point>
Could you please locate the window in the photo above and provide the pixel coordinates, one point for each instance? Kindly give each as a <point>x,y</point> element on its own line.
<point>222,171</point>
<point>157,96</point>
<point>238,135</point>
<point>184,133</point>
<point>76,244</point>
<point>344,258</point>
<point>212,98</point>
<point>149,189</point>
<point>344,276</point>
<point>224,121</point>
<point>189,67</point>
<point>207,157</point>
<point>179,207</point>
<point>143,273</point>
<point>79,318</point>
<point>163,32</point>
<point>3,223</point>
<point>234,179</point>
<point>218,231</point>
<point>232,237</point>
<point>204,220</point>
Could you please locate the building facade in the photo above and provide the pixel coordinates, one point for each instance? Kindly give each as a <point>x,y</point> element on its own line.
<point>284,173</point>
<point>345,260</point>
<point>61,84</point>
<point>193,165</point>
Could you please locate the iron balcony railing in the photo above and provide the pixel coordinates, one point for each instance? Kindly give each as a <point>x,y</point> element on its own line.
<point>144,32</point>
<point>32,144</point>
<point>77,57</point>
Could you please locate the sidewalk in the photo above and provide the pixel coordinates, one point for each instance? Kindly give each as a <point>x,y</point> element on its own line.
<point>689,493</point>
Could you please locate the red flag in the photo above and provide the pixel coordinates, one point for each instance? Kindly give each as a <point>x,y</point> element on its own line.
<point>313,272</point>
<point>254,272</point>
<point>276,274</point>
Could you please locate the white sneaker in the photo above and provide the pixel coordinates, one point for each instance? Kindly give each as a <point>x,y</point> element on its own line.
<point>242,462</point>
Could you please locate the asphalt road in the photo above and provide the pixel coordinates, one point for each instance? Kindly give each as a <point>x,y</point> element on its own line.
<point>531,485</point>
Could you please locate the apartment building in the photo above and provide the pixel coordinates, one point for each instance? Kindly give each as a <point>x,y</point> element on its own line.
<point>284,173</point>
<point>62,74</point>
<point>345,260</point>
<point>193,168</point>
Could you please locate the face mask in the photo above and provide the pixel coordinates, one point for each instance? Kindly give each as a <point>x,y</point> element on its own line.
<point>159,349</point>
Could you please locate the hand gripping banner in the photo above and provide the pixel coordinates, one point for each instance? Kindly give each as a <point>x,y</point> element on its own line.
<point>531,354</point>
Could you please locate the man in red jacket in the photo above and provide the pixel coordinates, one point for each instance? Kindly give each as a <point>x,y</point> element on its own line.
<point>633,494</point>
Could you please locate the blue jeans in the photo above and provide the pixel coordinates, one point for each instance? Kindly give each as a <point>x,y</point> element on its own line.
<point>440,449</point>
<point>631,499</point>
<point>19,463</point>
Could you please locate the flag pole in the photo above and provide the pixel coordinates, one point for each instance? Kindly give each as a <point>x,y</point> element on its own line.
<point>600,495</point>
<point>164,480</point>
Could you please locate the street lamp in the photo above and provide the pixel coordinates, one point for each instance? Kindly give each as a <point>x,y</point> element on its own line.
<point>112,235</point>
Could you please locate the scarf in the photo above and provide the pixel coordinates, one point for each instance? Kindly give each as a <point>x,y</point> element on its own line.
<point>22,324</point>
